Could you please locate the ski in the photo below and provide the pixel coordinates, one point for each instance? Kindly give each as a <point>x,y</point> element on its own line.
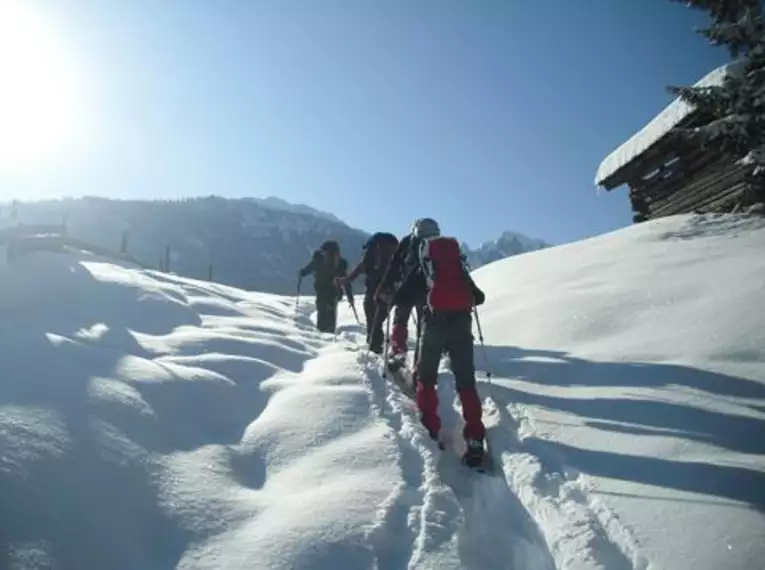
<point>402,376</point>
<point>486,467</point>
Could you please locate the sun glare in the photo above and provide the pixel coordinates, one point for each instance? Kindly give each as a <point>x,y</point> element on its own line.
<point>41,100</point>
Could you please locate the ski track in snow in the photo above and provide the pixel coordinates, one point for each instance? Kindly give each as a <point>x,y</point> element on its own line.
<point>581,531</point>
<point>444,513</point>
<point>532,512</point>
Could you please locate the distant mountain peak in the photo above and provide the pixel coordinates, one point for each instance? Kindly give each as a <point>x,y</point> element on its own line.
<point>274,203</point>
<point>508,244</point>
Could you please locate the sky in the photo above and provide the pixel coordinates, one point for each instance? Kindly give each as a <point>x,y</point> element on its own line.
<point>486,115</point>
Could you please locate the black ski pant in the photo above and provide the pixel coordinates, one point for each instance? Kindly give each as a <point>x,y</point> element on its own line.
<point>402,313</point>
<point>401,316</point>
<point>326,313</point>
<point>452,333</point>
<point>375,317</point>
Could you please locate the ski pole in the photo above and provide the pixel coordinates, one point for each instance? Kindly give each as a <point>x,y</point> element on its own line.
<point>418,324</point>
<point>297,297</point>
<point>483,346</point>
<point>370,328</point>
<point>386,345</point>
<point>355,314</point>
<point>334,319</point>
<point>385,356</point>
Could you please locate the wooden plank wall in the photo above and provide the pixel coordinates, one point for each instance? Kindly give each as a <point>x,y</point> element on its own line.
<point>695,180</point>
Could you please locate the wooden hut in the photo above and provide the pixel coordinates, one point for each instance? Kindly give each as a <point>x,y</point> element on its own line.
<point>667,175</point>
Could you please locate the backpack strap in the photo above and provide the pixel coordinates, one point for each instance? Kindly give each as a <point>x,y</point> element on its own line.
<point>426,262</point>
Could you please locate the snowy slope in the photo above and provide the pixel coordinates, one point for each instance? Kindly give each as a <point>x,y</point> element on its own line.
<point>634,366</point>
<point>155,422</point>
<point>150,422</point>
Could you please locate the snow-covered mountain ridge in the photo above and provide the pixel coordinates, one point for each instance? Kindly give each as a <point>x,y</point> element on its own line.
<point>507,245</point>
<point>153,421</point>
<point>252,243</point>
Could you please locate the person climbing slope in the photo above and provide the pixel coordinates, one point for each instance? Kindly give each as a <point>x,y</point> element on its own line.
<point>403,260</point>
<point>327,265</point>
<point>377,253</point>
<point>441,275</point>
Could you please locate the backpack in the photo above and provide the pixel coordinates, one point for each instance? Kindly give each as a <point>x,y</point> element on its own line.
<point>373,249</point>
<point>447,274</point>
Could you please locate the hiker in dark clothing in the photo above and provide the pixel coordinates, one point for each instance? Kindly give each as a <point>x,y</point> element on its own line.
<point>377,253</point>
<point>443,279</point>
<point>403,260</point>
<point>327,265</point>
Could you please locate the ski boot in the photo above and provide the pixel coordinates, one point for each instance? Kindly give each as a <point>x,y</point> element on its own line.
<point>474,455</point>
<point>396,359</point>
<point>434,435</point>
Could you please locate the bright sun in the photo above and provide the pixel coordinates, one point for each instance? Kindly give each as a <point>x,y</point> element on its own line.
<point>40,92</point>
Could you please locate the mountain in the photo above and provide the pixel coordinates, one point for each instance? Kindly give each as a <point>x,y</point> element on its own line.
<point>273,203</point>
<point>255,244</point>
<point>252,243</point>
<point>508,245</point>
<point>153,421</point>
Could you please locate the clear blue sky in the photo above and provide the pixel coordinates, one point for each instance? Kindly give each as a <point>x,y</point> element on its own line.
<point>487,115</point>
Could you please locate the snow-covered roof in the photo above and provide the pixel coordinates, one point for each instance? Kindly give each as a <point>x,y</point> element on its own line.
<point>654,131</point>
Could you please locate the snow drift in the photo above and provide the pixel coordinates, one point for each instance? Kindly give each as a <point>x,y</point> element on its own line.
<point>155,422</point>
<point>148,421</point>
<point>634,367</point>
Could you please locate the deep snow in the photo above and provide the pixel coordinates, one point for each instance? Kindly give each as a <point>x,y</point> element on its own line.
<point>150,421</point>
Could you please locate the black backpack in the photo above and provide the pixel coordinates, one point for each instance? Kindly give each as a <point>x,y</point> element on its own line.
<point>370,249</point>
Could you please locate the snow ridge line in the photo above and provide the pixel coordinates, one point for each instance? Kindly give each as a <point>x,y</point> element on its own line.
<point>580,491</point>
<point>497,531</point>
<point>440,516</point>
<point>398,526</point>
<point>580,530</point>
<point>434,515</point>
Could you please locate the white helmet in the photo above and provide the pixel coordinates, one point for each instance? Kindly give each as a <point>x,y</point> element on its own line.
<point>425,228</point>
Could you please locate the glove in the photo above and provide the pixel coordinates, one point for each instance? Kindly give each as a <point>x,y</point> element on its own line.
<point>479,297</point>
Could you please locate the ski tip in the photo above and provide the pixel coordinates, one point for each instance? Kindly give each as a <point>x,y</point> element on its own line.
<point>485,468</point>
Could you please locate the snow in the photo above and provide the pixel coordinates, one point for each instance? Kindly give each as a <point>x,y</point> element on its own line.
<point>634,367</point>
<point>153,421</point>
<point>655,130</point>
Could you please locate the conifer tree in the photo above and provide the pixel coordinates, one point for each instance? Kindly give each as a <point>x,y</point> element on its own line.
<point>733,113</point>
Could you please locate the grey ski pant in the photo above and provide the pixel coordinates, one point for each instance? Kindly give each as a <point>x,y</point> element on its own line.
<point>451,333</point>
